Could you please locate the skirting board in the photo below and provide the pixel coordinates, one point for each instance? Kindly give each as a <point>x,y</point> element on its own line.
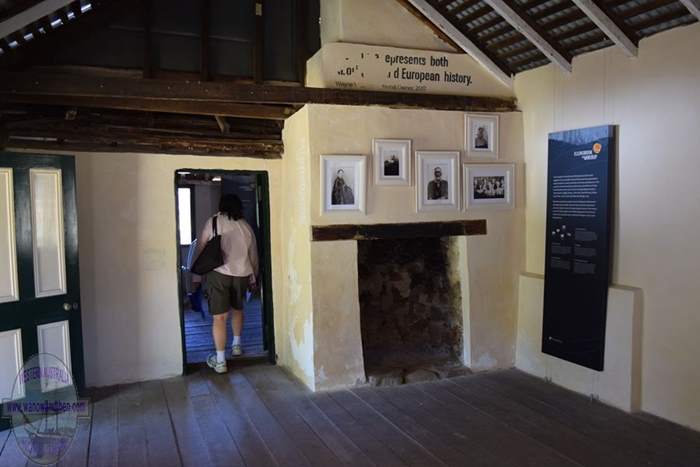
<point>619,384</point>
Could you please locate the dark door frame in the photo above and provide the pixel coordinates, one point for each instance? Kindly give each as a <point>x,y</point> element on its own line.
<point>263,198</point>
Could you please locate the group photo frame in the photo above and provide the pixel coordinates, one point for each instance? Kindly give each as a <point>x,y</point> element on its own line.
<point>343,183</point>
<point>489,186</point>
<point>481,136</point>
<point>392,161</point>
<point>437,181</point>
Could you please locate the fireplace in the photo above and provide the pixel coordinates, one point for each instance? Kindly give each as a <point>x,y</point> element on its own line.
<point>410,309</point>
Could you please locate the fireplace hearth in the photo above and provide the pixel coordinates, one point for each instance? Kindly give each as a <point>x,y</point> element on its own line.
<point>410,309</point>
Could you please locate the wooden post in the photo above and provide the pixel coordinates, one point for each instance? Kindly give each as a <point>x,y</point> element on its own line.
<point>259,49</point>
<point>147,17</point>
<point>205,33</point>
<point>302,49</point>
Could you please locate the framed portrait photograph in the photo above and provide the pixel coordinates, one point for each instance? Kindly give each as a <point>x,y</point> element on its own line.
<point>343,183</point>
<point>392,161</point>
<point>481,136</point>
<point>437,180</point>
<point>489,186</point>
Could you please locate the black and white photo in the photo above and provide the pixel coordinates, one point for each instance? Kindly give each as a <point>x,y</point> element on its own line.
<point>481,136</point>
<point>489,185</point>
<point>392,161</point>
<point>343,183</point>
<point>438,180</point>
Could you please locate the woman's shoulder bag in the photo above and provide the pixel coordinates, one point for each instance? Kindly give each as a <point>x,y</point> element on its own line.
<point>211,256</point>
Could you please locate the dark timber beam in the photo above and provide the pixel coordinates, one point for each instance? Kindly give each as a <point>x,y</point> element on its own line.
<point>259,49</point>
<point>214,98</point>
<point>392,231</point>
<point>205,11</point>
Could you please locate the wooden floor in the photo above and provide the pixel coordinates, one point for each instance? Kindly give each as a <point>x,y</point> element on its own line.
<point>257,416</point>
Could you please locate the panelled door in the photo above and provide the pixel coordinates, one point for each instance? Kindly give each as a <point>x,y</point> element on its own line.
<point>39,278</point>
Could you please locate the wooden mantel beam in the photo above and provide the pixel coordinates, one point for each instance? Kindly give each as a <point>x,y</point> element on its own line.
<point>214,98</point>
<point>325,233</point>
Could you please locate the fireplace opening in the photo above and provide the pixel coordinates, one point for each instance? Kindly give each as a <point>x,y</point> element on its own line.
<point>410,309</point>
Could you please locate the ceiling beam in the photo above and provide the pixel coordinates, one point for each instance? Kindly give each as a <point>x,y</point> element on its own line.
<point>519,19</point>
<point>215,98</point>
<point>693,6</point>
<point>462,41</point>
<point>30,15</point>
<point>606,24</point>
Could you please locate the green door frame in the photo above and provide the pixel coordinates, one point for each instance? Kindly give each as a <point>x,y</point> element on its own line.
<point>263,197</point>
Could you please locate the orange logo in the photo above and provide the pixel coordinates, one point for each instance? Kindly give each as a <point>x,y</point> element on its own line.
<point>597,147</point>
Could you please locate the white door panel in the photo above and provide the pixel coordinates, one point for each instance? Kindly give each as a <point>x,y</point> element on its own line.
<point>9,291</point>
<point>54,339</point>
<point>47,228</point>
<point>11,364</point>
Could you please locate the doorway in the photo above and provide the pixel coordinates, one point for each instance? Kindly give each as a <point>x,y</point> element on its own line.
<point>197,198</point>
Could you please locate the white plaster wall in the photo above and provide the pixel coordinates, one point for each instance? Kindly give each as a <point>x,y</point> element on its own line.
<point>619,383</point>
<point>379,22</point>
<point>294,323</point>
<point>492,261</point>
<point>128,260</point>
<point>655,99</point>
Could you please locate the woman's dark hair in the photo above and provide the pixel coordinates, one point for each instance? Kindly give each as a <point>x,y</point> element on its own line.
<point>231,206</point>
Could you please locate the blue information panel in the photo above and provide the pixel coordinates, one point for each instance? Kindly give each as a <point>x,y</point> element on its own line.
<point>579,219</point>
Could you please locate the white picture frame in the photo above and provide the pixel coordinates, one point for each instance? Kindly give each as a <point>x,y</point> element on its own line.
<point>489,186</point>
<point>386,172</point>
<point>430,195</point>
<point>481,135</point>
<point>343,183</point>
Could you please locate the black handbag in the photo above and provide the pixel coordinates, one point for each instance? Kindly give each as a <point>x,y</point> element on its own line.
<point>211,256</point>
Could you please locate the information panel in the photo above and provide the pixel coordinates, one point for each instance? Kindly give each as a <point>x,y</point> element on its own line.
<point>577,269</point>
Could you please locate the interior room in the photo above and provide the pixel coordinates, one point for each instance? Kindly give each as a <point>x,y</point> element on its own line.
<point>441,237</point>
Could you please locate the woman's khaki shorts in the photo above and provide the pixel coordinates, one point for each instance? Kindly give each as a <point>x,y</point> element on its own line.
<point>225,292</point>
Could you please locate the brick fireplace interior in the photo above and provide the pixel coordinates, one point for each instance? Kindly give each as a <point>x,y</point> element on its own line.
<point>410,309</point>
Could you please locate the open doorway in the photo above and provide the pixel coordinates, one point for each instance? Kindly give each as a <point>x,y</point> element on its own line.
<point>197,198</point>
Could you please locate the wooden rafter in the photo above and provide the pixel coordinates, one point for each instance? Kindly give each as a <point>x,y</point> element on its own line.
<point>521,21</point>
<point>464,42</point>
<point>213,98</point>
<point>609,26</point>
<point>30,15</point>
<point>693,6</point>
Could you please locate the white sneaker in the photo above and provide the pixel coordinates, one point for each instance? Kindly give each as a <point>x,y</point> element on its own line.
<point>214,364</point>
<point>236,351</point>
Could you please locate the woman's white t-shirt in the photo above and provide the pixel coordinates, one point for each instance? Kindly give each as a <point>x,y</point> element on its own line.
<point>238,245</point>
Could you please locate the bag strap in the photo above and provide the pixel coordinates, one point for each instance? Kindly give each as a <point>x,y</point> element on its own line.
<point>214,225</point>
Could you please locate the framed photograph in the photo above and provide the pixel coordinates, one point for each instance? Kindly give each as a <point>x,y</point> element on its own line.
<point>489,186</point>
<point>437,181</point>
<point>481,139</point>
<point>392,162</point>
<point>343,183</point>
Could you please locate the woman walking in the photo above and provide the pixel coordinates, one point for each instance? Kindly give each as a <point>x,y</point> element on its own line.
<point>227,284</point>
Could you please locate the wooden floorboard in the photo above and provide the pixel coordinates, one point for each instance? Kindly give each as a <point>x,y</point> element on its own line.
<point>104,441</point>
<point>547,431</point>
<point>493,433</point>
<point>131,430</point>
<point>279,400</point>
<point>405,447</point>
<point>259,416</point>
<point>253,449</point>
<point>606,425</point>
<point>376,451</point>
